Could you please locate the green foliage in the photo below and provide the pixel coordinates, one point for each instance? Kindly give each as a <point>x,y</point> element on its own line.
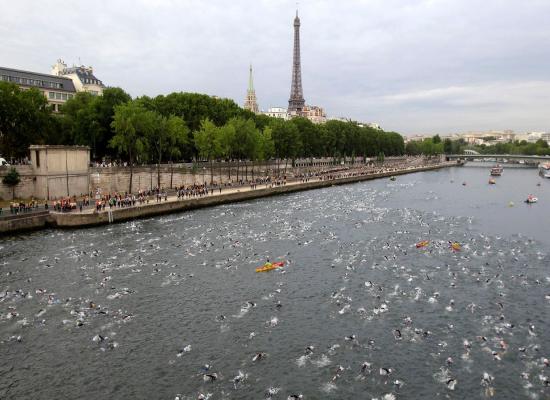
<point>12,179</point>
<point>165,128</point>
<point>426,147</point>
<point>539,148</point>
<point>25,119</point>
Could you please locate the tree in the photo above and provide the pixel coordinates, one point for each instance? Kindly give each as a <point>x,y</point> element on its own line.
<point>12,179</point>
<point>447,146</point>
<point>245,140</point>
<point>25,119</point>
<point>132,125</point>
<point>436,139</point>
<point>286,138</point>
<point>267,146</point>
<point>177,140</point>
<point>207,142</point>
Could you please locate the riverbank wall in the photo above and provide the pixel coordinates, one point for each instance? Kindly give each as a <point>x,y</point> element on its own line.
<point>81,220</point>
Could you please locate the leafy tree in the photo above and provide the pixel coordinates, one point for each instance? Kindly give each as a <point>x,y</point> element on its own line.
<point>447,146</point>
<point>132,125</point>
<point>207,142</point>
<point>177,140</point>
<point>286,138</point>
<point>25,119</point>
<point>12,179</point>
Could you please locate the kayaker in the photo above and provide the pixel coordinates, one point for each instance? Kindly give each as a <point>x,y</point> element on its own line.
<point>268,264</point>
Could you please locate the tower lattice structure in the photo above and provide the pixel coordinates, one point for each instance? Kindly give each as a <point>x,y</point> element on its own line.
<point>250,103</point>
<point>296,102</point>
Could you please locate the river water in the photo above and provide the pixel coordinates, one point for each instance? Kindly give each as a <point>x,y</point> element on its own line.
<point>171,307</point>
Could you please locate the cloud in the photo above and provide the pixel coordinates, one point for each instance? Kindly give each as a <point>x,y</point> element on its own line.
<point>404,64</point>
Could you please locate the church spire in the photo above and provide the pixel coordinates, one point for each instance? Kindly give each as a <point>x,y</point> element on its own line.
<point>250,102</point>
<point>250,81</point>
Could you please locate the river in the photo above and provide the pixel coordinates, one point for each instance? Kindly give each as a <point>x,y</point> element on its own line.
<point>171,307</point>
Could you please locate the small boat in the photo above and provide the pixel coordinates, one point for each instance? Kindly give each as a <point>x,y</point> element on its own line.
<point>270,266</point>
<point>544,170</point>
<point>492,181</point>
<point>531,199</point>
<point>455,246</point>
<point>463,183</point>
<point>496,170</point>
<point>393,178</point>
<point>421,244</point>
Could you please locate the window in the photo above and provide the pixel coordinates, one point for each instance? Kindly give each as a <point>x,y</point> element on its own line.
<point>70,96</point>
<point>24,81</point>
<point>64,96</point>
<point>51,95</point>
<point>53,107</point>
<point>37,155</point>
<point>58,96</point>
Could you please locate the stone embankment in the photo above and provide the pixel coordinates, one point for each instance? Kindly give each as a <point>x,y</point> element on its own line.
<point>92,218</point>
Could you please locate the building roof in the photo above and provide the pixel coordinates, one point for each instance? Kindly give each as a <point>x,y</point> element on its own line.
<point>85,75</point>
<point>39,80</point>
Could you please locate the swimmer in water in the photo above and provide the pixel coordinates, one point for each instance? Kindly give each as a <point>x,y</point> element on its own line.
<point>259,356</point>
<point>210,377</point>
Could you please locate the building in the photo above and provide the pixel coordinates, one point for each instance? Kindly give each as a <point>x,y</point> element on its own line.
<point>60,171</point>
<point>296,102</point>
<point>315,114</point>
<point>56,89</point>
<point>83,77</point>
<point>250,102</point>
<point>277,112</point>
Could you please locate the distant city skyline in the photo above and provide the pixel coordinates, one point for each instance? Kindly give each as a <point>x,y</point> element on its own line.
<point>411,66</point>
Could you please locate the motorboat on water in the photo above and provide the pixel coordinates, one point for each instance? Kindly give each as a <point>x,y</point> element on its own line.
<point>544,170</point>
<point>270,266</point>
<point>531,199</point>
<point>492,181</point>
<point>496,170</point>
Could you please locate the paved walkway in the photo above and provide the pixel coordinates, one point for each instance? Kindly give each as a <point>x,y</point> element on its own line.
<point>244,188</point>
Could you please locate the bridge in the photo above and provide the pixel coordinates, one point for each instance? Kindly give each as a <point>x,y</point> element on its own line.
<point>471,155</point>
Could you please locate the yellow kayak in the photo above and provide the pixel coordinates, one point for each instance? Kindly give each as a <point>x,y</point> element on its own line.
<point>421,244</point>
<point>270,266</point>
<point>456,246</point>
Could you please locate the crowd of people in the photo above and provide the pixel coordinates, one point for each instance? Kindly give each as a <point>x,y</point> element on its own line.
<point>198,190</point>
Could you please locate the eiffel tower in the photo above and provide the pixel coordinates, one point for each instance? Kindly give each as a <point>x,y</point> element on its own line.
<point>296,101</point>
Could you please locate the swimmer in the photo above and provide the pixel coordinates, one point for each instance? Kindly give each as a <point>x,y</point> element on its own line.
<point>309,350</point>
<point>385,371</point>
<point>295,397</point>
<point>259,356</point>
<point>451,384</point>
<point>397,334</point>
<point>339,370</point>
<point>365,368</point>
<point>210,377</point>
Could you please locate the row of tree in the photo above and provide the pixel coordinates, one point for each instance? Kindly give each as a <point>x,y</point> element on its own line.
<point>539,148</point>
<point>175,127</point>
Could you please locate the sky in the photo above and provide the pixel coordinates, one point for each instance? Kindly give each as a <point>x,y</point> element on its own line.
<point>413,66</point>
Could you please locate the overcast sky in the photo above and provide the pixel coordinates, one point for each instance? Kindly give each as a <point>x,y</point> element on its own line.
<point>414,66</point>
